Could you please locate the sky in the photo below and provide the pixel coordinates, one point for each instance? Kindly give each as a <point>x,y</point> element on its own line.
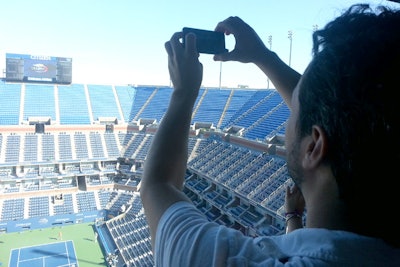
<point>121,42</point>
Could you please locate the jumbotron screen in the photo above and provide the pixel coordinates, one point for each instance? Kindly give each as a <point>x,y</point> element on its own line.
<point>37,68</point>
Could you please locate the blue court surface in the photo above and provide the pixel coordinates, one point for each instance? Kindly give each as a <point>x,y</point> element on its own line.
<point>60,254</point>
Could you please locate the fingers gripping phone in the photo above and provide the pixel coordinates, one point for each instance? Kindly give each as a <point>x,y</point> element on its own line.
<point>207,42</point>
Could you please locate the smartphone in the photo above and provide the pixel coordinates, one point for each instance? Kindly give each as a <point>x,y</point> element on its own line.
<point>208,42</point>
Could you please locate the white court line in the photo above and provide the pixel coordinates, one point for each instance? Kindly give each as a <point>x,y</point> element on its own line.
<point>76,257</point>
<point>44,257</point>
<point>53,255</point>
<point>19,253</point>
<point>66,249</point>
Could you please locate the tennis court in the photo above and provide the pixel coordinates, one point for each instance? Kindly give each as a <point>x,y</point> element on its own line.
<point>60,254</point>
<point>38,244</point>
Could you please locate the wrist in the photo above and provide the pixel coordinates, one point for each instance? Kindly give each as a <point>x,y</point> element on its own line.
<point>292,218</point>
<point>292,215</point>
<point>265,58</point>
<point>296,212</point>
<point>182,99</point>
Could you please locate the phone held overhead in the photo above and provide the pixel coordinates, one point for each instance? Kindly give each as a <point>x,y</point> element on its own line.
<point>208,42</point>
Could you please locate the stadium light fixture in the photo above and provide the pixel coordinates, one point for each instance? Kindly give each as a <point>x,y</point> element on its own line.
<point>290,36</point>
<point>270,48</point>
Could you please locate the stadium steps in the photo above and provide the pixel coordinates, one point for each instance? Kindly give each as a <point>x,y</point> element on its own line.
<point>21,108</point>
<point>121,113</point>
<point>227,104</point>
<point>89,105</point>
<point>145,104</point>
<point>56,104</point>
<point>26,209</point>
<point>75,203</point>
<point>197,107</point>
<point>51,206</point>
<point>97,200</point>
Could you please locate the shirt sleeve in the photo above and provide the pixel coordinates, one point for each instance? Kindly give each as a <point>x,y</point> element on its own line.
<point>185,237</point>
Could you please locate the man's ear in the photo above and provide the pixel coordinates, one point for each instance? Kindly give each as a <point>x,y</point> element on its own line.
<point>316,146</point>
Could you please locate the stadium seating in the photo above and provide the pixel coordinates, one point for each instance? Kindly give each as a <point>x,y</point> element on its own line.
<point>234,183</point>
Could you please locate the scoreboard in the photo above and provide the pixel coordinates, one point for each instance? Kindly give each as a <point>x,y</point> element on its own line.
<point>37,68</point>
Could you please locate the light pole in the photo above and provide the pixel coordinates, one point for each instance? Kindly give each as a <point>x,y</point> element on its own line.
<point>290,36</point>
<point>220,74</point>
<point>270,47</point>
<point>270,42</point>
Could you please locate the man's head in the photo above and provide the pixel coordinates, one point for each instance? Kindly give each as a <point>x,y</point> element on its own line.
<point>348,90</point>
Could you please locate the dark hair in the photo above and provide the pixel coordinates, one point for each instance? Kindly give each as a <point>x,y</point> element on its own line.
<point>349,89</point>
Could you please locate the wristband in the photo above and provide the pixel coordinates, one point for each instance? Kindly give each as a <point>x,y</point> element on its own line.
<point>291,215</point>
<point>295,212</point>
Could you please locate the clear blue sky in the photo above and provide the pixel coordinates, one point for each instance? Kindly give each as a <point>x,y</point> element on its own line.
<point>122,41</point>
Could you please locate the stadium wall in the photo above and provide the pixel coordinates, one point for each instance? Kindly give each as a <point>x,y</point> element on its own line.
<point>51,221</point>
<point>22,129</point>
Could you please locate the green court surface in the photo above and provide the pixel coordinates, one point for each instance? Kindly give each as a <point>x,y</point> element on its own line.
<point>88,252</point>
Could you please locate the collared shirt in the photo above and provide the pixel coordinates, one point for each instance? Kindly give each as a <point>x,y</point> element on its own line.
<point>185,237</point>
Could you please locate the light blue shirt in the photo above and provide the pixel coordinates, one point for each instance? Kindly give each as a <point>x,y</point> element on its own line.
<point>186,238</point>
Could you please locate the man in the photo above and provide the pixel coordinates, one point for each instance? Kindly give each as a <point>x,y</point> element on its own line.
<point>342,146</point>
